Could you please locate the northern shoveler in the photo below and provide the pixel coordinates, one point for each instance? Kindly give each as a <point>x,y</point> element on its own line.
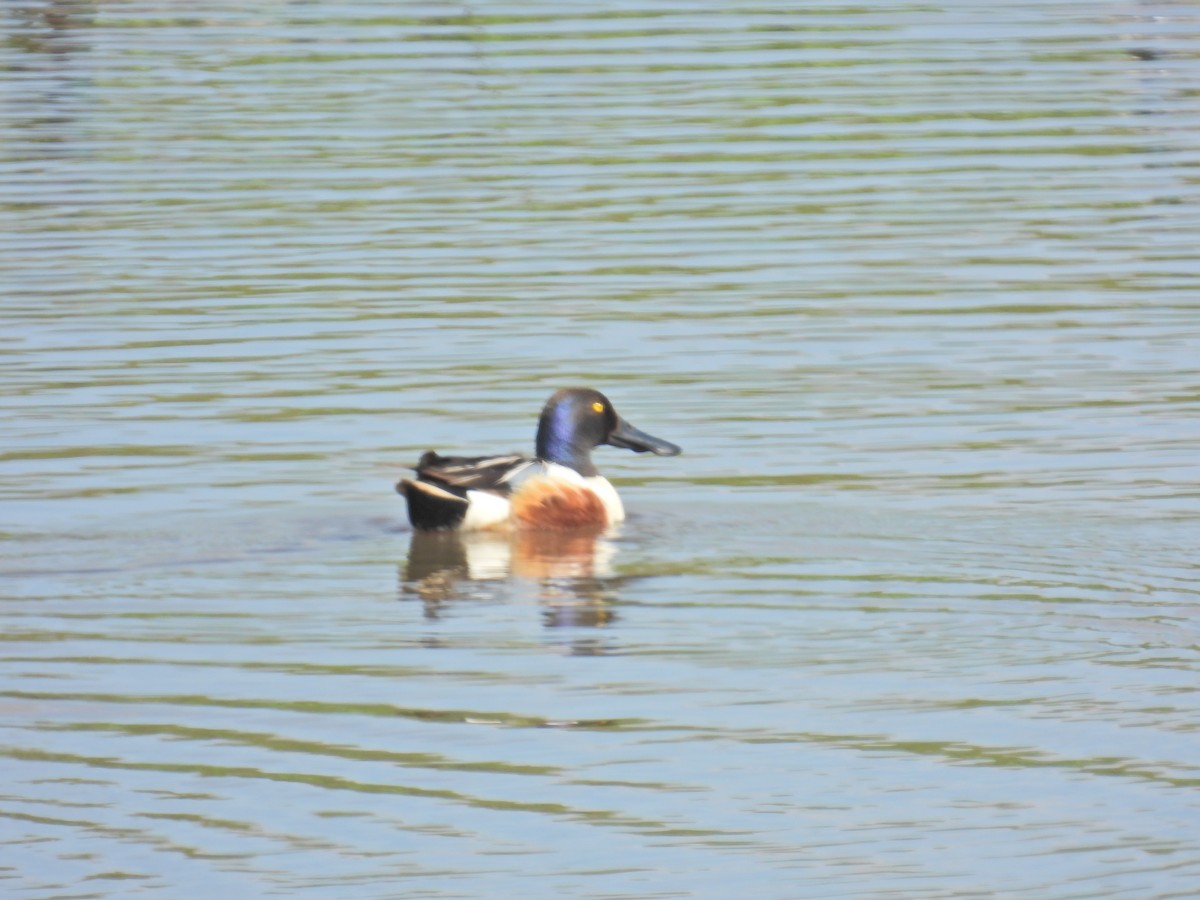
<point>560,489</point>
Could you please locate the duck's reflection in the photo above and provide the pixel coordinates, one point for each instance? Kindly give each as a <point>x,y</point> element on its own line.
<point>570,573</point>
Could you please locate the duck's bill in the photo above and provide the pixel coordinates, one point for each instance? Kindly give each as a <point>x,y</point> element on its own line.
<point>630,438</point>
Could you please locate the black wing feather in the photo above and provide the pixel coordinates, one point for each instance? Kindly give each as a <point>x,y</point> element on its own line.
<point>479,473</point>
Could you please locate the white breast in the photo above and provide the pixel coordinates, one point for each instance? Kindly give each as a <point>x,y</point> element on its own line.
<point>597,484</point>
<point>603,489</point>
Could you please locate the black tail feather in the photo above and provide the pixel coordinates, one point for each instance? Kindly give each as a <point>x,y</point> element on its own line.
<point>433,507</point>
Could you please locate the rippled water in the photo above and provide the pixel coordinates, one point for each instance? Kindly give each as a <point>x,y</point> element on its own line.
<point>916,288</point>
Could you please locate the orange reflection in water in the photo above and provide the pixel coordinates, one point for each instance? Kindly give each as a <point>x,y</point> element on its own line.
<point>570,571</point>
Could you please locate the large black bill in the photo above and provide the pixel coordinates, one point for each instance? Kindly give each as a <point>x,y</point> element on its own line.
<point>630,438</point>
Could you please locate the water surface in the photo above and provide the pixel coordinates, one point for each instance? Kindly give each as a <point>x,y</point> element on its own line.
<point>914,286</point>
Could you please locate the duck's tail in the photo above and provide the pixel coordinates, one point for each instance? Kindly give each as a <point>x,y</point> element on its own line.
<point>432,508</point>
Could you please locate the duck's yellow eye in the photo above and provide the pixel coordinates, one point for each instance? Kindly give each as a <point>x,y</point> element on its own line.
<point>598,406</point>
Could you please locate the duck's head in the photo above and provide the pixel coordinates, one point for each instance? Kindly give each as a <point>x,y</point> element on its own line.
<point>576,420</point>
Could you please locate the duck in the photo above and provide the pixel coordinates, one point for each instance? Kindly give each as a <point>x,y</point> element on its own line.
<point>558,489</point>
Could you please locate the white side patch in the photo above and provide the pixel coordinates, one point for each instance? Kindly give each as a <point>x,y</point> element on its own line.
<point>485,510</point>
<point>602,488</point>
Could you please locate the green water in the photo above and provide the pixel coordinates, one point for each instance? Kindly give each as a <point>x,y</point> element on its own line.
<point>916,289</point>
